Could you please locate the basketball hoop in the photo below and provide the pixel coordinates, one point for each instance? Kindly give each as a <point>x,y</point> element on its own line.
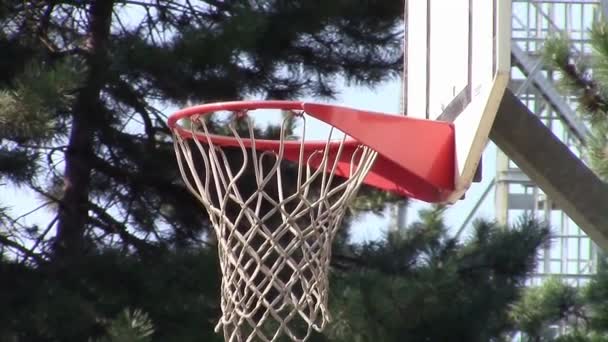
<point>274,235</point>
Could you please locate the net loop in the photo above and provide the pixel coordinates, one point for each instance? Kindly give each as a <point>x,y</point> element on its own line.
<point>274,234</point>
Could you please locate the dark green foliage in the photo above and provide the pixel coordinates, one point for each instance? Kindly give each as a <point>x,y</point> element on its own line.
<point>421,285</point>
<point>425,286</point>
<point>596,297</point>
<point>279,48</point>
<point>130,327</point>
<point>580,313</point>
<point>80,99</point>
<point>17,164</point>
<point>84,91</point>
<point>177,290</point>
<point>551,304</point>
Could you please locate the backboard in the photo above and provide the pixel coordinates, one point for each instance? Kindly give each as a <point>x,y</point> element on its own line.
<point>457,65</point>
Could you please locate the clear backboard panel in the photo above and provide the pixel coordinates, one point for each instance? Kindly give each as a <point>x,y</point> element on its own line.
<point>457,64</point>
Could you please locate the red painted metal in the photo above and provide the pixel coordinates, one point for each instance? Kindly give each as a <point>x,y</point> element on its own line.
<point>416,158</point>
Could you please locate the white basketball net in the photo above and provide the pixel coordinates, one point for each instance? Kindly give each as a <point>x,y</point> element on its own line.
<point>274,239</point>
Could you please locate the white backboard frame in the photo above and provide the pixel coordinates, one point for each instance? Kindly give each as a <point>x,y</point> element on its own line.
<point>457,67</point>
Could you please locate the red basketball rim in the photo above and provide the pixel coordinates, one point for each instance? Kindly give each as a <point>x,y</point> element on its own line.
<point>416,157</point>
<point>262,144</point>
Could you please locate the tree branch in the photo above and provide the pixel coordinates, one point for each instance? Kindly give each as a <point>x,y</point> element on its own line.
<point>26,252</point>
<point>113,226</point>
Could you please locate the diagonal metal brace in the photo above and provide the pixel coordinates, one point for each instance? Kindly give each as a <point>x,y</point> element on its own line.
<point>553,167</point>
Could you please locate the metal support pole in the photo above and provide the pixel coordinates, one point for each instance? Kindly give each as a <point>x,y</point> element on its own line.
<point>551,165</point>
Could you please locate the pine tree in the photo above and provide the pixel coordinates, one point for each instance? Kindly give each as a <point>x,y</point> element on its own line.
<point>553,304</point>
<point>130,326</point>
<point>556,311</point>
<point>83,87</point>
<point>82,84</point>
<point>425,285</point>
<point>586,78</point>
